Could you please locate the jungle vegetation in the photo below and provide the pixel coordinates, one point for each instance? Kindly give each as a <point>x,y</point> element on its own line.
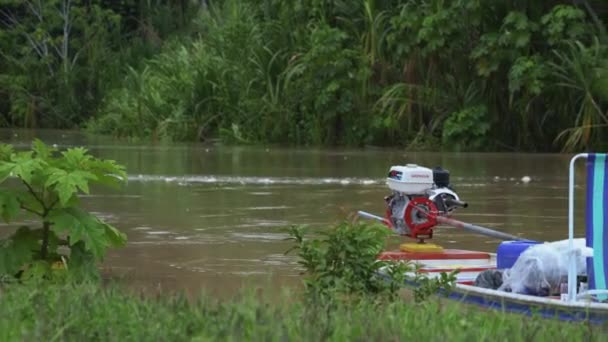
<point>428,74</point>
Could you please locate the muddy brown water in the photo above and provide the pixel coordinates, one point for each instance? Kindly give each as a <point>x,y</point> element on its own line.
<point>213,218</point>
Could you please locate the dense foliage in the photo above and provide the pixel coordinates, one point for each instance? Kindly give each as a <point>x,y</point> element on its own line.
<point>90,313</point>
<point>458,74</point>
<point>59,58</point>
<point>48,184</point>
<point>343,262</point>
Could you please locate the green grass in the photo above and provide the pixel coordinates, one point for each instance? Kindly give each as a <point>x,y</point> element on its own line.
<point>89,312</point>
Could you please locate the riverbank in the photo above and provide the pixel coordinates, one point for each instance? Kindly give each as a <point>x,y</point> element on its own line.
<point>89,312</point>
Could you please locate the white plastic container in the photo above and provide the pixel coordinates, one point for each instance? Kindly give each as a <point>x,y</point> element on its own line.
<point>410,179</point>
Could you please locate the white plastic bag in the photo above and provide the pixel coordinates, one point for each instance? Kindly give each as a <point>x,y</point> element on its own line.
<point>540,269</point>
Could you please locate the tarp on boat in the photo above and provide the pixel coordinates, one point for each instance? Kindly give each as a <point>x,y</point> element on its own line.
<point>541,269</point>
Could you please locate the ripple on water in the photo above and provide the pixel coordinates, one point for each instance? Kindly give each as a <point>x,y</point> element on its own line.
<point>159,232</point>
<point>249,273</point>
<point>241,266</point>
<point>268,207</point>
<point>193,241</point>
<point>210,179</point>
<point>261,236</point>
<point>263,223</point>
<point>106,216</point>
<point>215,215</point>
<point>109,196</point>
<point>280,259</point>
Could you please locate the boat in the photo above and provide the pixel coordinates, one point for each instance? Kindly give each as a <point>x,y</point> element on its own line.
<point>422,199</point>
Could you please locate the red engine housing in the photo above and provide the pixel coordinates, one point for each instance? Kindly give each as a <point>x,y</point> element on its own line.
<point>420,216</point>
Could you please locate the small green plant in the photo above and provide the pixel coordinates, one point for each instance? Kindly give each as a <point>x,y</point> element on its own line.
<point>69,237</point>
<point>344,262</point>
<point>428,286</point>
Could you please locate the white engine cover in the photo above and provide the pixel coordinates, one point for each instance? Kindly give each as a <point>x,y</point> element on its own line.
<point>410,179</point>
<point>436,192</point>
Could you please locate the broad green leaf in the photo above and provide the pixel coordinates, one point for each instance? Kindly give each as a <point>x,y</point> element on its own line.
<point>521,39</point>
<point>28,200</point>
<point>115,237</point>
<point>22,165</point>
<point>77,158</point>
<point>18,250</point>
<point>9,205</point>
<point>81,226</point>
<point>41,149</point>
<point>5,170</point>
<point>36,271</point>
<point>66,184</point>
<point>108,172</point>
<point>6,151</point>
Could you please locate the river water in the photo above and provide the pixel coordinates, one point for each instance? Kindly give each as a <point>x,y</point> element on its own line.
<point>213,218</point>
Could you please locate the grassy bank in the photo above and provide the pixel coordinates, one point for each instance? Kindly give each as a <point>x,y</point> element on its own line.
<point>88,312</point>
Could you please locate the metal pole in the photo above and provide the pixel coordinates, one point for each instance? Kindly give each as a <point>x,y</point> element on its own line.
<point>478,229</point>
<point>373,217</point>
<point>571,257</point>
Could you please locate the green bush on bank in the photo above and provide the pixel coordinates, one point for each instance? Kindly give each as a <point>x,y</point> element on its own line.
<point>343,263</point>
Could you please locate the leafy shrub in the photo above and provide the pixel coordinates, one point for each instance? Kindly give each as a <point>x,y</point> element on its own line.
<point>57,57</point>
<point>196,86</point>
<point>321,83</point>
<point>564,23</point>
<point>466,129</point>
<point>344,263</point>
<point>50,184</point>
<point>527,75</point>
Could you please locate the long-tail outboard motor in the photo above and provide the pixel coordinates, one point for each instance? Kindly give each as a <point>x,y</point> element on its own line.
<point>418,190</point>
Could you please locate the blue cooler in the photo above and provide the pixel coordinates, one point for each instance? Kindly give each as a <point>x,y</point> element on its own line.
<point>509,251</point>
